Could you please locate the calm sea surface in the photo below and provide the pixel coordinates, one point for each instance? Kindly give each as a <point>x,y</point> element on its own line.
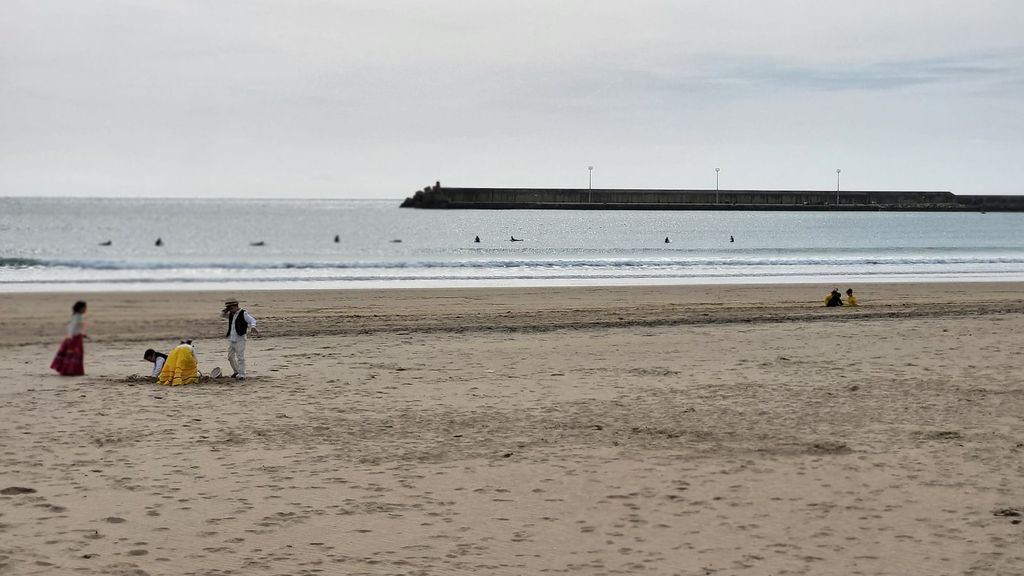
<point>55,244</point>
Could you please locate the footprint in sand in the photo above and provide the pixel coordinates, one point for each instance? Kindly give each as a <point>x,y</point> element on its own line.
<point>16,490</point>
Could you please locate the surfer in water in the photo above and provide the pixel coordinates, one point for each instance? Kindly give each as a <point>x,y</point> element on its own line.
<point>514,239</point>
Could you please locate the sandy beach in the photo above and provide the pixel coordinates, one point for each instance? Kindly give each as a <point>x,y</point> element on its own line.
<point>662,430</point>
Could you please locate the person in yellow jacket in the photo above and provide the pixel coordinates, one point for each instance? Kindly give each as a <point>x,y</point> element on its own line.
<point>834,298</point>
<point>851,300</point>
<point>180,367</point>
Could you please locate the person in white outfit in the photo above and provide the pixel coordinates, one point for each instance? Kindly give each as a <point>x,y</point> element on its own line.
<point>240,323</point>
<point>157,359</point>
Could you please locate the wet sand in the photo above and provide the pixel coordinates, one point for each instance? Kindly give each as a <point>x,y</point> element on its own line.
<point>664,430</point>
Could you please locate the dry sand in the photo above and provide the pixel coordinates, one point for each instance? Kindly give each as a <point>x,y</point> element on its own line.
<point>659,430</point>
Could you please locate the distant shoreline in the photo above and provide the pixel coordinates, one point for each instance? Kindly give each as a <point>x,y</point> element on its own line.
<point>489,284</point>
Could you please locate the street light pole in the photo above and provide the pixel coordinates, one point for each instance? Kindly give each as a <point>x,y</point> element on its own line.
<point>717,170</point>
<point>837,185</point>
<point>590,184</point>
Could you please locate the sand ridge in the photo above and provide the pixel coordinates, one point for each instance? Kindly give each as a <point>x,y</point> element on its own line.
<point>156,316</point>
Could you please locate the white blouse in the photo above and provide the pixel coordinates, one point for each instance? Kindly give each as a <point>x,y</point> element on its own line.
<point>158,365</point>
<point>75,326</point>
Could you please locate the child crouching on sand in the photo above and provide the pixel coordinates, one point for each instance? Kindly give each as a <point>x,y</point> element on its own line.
<point>157,359</point>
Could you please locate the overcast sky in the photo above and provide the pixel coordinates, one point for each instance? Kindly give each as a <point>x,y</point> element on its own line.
<point>377,98</point>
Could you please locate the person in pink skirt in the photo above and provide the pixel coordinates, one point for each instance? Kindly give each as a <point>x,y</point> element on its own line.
<point>70,358</point>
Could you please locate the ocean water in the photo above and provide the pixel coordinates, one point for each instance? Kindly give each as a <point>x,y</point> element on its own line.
<point>54,244</point>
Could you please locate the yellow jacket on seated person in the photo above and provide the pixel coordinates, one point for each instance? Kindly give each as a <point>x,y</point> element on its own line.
<point>833,298</point>
<point>851,300</point>
<point>180,368</point>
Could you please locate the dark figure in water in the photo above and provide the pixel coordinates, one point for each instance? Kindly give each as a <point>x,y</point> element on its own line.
<point>260,243</point>
<point>667,241</point>
<point>514,239</point>
<point>337,238</point>
<point>107,243</point>
<point>477,240</point>
<point>159,242</point>
<point>731,239</point>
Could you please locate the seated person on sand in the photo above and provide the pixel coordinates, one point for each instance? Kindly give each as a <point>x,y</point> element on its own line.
<point>834,298</point>
<point>851,300</point>
<point>157,359</point>
<point>180,367</point>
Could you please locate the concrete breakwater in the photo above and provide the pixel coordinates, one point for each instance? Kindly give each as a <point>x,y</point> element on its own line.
<point>438,196</point>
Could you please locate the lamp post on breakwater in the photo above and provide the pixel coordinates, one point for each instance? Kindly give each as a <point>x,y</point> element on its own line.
<point>590,184</point>
<point>717,170</point>
<point>837,185</point>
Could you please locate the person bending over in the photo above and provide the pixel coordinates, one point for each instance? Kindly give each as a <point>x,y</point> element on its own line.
<point>157,359</point>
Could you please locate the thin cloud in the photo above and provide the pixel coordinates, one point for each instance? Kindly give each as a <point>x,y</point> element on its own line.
<point>696,80</point>
<point>872,76</point>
